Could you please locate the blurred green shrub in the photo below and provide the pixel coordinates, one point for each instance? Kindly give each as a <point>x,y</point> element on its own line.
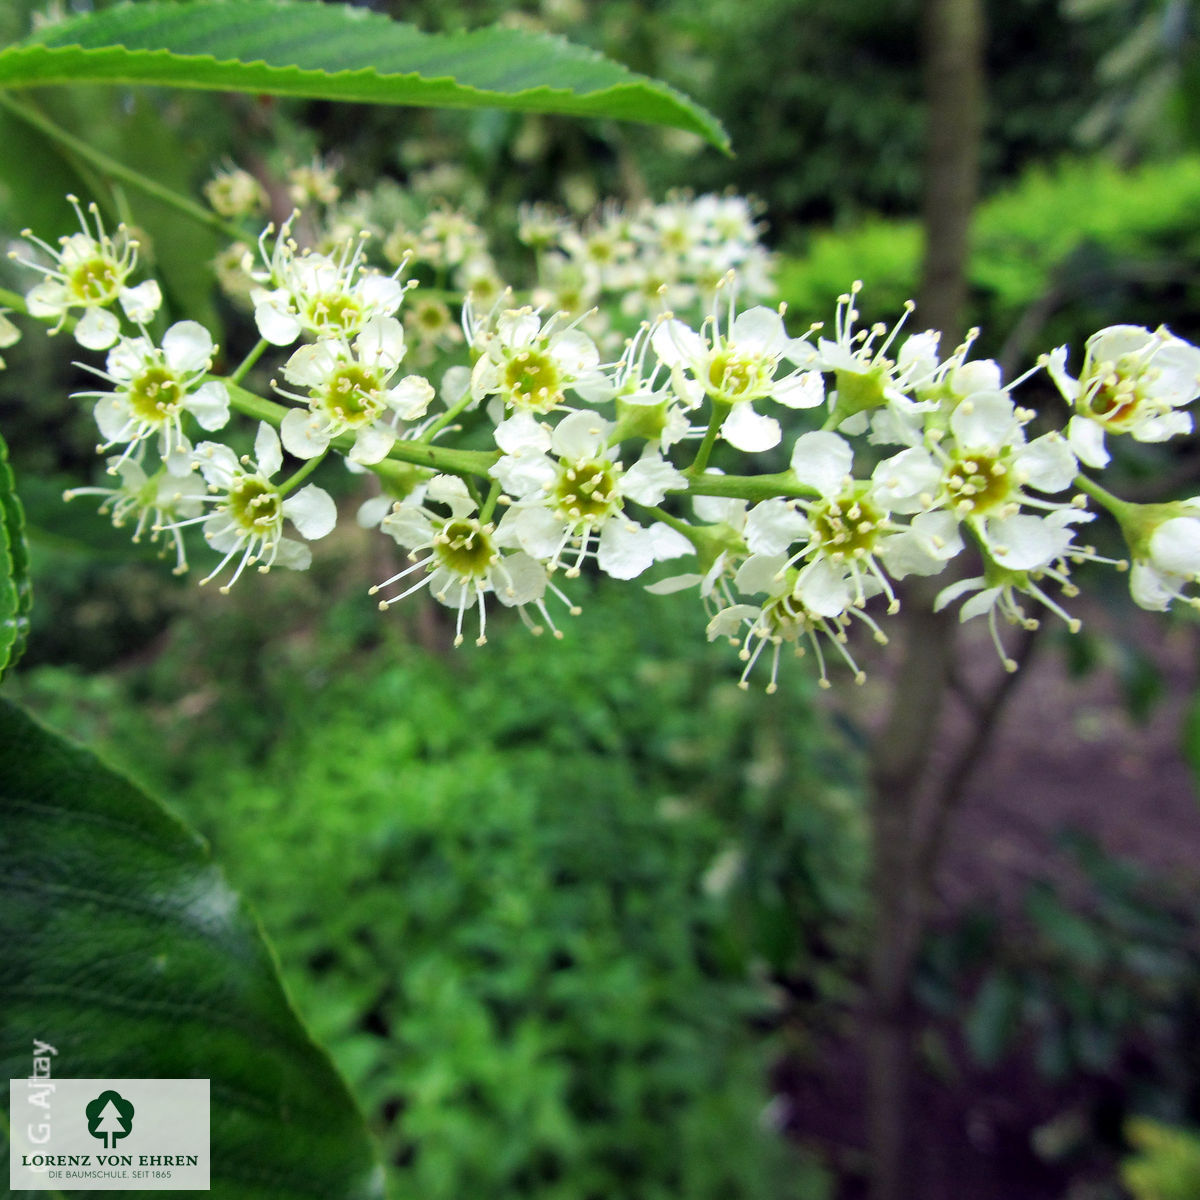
<point>1056,229</point>
<point>1101,983</point>
<point>543,903</point>
<point>1166,1165</point>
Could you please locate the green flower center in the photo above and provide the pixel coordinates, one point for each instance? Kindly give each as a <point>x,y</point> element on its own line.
<point>155,395</point>
<point>861,391</point>
<point>847,527</point>
<point>786,616</point>
<point>334,314</point>
<point>96,281</point>
<point>533,381</point>
<point>255,505</point>
<point>352,395</point>
<point>978,483</point>
<point>734,376</point>
<point>586,492</point>
<point>465,547</point>
<point>1117,400</point>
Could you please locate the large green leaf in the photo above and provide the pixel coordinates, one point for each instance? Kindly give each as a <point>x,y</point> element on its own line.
<point>126,950</point>
<point>287,48</point>
<point>16,592</point>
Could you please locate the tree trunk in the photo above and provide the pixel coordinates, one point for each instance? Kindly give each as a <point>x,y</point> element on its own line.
<point>953,71</point>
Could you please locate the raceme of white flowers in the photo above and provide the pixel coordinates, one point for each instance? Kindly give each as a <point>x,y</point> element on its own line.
<point>518,439</point>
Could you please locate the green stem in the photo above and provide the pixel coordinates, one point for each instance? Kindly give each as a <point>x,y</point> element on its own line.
<point>489,505</point>
<point>116,170</point>
<point>244,366</point>
<point>1119,508</point>
<point>14,301</point>
<point>438,458</point>
<point>748,487</point>
<point>448,416</point>
<point>301,474</point>
<point>700,462</point>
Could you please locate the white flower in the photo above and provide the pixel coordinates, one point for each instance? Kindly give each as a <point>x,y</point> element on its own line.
<point>350,391</point>
<point>1168,562</point>
<point>160,502</point>
<point>233,192</point>
<point>986,468</point>
<point>10,335</point>
<point>738,367</point>
<point>91,271</point>
<point>250,509</point>
<point>466,559</point>
<point>319,294</point>
<point>1133,381</point>
<point>797,611</point>
<point>576,493</point>
<point>154,387</point>
<point>530,364</point>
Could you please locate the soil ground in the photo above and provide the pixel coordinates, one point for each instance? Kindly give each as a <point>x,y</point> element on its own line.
<point>1065,754</point>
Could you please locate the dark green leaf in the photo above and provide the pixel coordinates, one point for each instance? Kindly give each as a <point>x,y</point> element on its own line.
<point>992,1021</point>
<point>127,951</point>
<point>16,591</point>
<point>286,48</point>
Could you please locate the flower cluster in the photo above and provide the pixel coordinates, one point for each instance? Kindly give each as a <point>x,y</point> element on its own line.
<point>886,454</point>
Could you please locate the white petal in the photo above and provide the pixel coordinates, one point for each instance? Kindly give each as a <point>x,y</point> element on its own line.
<point>304,434</point>
<point>312,511</point>
<point>47,299</point>
<point>823,589</point>
<point>773,526</point>
<point>729,621</point>
<point>669,543</point>
<point>98,329</point>
<point>372,445</point>
<point>822,460</point>
<point>650,479</point>
<point>410,398</point>
<point>1024,542</point>
<point>747,430</point>
<point>187,347</point>
<point>673,584</point>
<point>1150,589</point>
<point>275,324</point>
<point>371,512</point>
<point>985,420</point>
<point>759,331</point>
<point>979,605</point>
<point>293,555</point>
<point>112,418</point>
<point>624,552</point>
<point>760,573</point>
<point>1175,547</point>
<point>142,302</point>
<point>1086,438</point>
<point>804,389</point>
<point>522,434</point>
<point>267,451</point>
<point>573,352</point>
<point>582,435</point>
<point>209,404</point>
<point>1047,463</point>
<point>518,579</point>
<point>676,344</point>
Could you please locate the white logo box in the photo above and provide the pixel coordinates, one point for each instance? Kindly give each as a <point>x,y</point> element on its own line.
<point>165,1148</point>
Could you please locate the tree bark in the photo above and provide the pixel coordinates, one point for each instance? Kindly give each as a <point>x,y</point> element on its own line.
<point>954,76</point>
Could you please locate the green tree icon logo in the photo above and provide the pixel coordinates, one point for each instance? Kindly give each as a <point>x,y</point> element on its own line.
<point>109,1117</point>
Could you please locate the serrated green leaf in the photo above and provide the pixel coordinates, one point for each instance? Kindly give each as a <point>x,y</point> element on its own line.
<point>335,52</point>
<point>16,591</point>
<point>126,949</point>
